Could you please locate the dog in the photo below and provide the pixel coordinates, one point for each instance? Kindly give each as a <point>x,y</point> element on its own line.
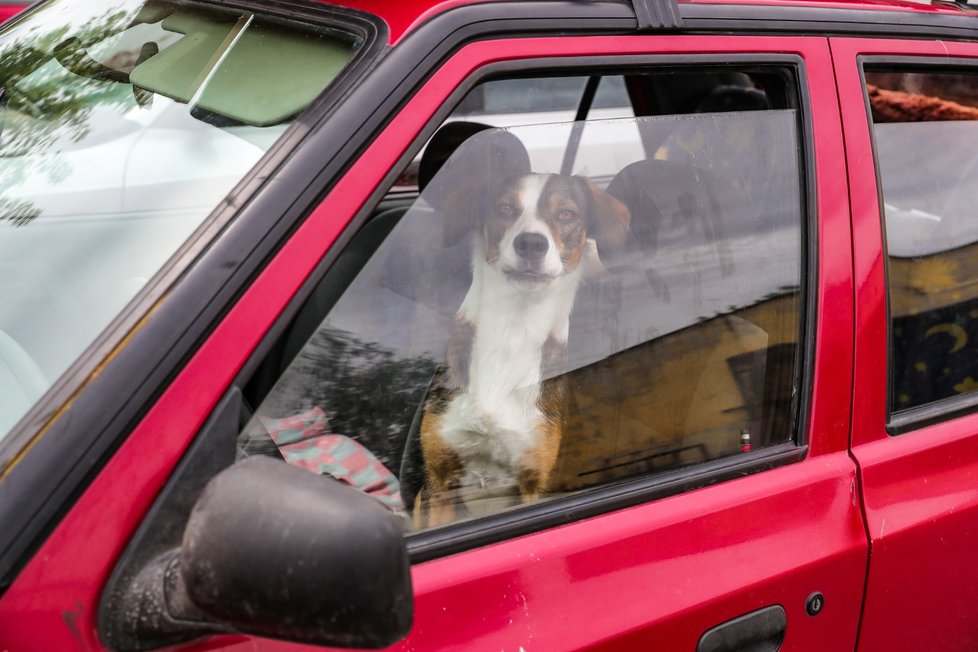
<point>492,418</point>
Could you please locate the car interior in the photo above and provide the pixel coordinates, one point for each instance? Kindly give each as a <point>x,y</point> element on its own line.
<point>756,346</point>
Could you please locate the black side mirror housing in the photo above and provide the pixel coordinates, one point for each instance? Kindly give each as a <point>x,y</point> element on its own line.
<point>276,551</point>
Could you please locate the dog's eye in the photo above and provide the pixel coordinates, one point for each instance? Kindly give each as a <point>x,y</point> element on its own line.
<point>566,215</point>
<point>506,210</point>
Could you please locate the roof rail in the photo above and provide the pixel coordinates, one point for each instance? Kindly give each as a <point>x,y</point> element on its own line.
<point>657,14</point>
<point>964,6</point>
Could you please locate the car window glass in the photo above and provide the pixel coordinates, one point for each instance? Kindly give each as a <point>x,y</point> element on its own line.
<point>542,95</point>
<point>931,234</point>
<point>517,334</point>
<point>122,125</point>
<point>540,100</point>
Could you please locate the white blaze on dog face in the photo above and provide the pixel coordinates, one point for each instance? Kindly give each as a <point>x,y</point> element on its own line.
<point>536,229</point>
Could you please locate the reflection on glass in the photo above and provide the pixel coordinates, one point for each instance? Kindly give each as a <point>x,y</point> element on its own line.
<point>489,356</point>
<point>123,123</point>
<point>931,230</point>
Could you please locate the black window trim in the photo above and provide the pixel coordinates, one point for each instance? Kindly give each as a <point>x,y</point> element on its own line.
<point>899,422</point>
<point>458,537</point>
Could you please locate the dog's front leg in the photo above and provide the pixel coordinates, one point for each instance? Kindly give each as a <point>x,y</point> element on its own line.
<point>433,508</point>
<point>537,464</point>
<point>440,509</point>
<point>443,473</point>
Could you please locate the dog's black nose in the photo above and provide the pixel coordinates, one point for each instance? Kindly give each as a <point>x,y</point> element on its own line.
<point>531,246</point>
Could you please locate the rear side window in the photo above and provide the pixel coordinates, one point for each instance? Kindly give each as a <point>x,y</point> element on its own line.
<point>925,126</point>
<point>566,305</point>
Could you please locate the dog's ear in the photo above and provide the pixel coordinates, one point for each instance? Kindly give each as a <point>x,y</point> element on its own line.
<point>462,211</point>
<point>609,225</point>
<point>476,170</point>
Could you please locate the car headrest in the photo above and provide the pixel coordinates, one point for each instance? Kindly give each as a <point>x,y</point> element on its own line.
<point>733,98</point>
<point>657,192</point>
<point>442,145</point>
<point>494,153</point>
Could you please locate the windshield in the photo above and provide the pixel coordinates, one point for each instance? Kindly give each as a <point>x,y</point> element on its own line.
<point>123,123</point>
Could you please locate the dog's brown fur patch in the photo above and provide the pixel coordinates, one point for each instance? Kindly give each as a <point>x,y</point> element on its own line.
<point>443,469</point>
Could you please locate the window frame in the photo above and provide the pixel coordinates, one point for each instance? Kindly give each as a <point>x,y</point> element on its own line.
<point>461,536</point>
<point>899,422</point>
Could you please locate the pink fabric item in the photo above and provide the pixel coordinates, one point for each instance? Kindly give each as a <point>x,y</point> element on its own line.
<point>304,440</point>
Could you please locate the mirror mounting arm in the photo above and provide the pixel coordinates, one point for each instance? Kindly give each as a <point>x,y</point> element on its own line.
<point>158,612</point>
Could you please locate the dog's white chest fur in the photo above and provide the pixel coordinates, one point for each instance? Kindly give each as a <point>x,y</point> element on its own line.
<point>496,419</point>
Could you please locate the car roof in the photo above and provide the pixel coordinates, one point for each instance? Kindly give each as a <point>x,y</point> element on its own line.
<point>405,16</point>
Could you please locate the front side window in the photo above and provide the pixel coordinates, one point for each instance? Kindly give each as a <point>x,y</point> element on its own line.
<point>565,306</point>
<point>123,123</point>
<point>924,126</point>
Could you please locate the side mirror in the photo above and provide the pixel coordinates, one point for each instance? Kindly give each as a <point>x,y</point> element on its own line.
<point>275,551</point>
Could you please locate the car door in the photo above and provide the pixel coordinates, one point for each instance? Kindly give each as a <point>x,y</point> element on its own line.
<point>738,526</point>
<point>913,417</point>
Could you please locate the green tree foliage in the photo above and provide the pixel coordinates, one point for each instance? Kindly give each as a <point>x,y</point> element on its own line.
<point>368,392</point>
<point>45,109</point>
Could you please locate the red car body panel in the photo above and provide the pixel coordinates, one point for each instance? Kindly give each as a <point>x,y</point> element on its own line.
<point>657,575</point>
<point>920,502</point>
<point>9,11</point>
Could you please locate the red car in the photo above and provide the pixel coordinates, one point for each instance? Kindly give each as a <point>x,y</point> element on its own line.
<point>489,325</point>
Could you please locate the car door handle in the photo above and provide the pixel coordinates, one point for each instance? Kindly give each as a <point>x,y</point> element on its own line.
<point>759,631</point>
